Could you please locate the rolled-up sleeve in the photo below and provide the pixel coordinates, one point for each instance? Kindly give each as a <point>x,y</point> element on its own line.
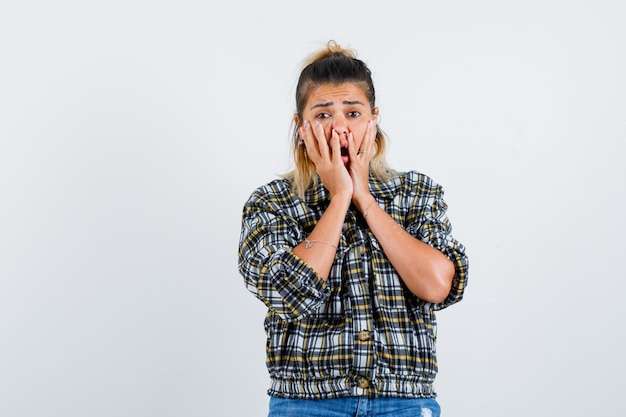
<point>428,222</point>
<point>285,283</point>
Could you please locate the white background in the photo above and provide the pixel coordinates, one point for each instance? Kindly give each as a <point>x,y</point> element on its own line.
<point>132,132</point>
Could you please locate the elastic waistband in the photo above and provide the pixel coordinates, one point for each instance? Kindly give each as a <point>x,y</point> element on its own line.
<point>399,386</point>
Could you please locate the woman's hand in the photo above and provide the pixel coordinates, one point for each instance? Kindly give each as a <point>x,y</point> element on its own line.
<point>326,155</point>
<point>359,165</point>
<point>320,248</point>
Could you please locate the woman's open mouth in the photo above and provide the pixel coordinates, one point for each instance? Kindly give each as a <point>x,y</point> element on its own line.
<point>344,155</point>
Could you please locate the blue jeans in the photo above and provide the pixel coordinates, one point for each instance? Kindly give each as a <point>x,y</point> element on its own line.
<point>355,407</point>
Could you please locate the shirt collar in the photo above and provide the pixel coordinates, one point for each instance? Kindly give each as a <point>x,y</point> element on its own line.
<point>381,190</point>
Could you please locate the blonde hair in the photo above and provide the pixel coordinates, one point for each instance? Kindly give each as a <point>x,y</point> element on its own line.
<point>332,65</point>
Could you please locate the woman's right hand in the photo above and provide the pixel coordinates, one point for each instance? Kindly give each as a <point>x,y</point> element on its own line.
<point>326,156</point>
<point>319,250</point>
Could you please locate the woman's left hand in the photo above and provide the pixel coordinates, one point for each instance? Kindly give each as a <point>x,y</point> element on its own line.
<point>359,164</point>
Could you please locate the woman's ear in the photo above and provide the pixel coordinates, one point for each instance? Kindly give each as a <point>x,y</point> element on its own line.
<point>296,119</point>
<point>376,111</point>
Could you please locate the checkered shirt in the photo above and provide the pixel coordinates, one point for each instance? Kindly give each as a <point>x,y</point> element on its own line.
<point>361,332</point>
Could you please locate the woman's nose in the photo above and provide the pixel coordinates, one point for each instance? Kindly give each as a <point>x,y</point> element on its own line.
<point>340,124</point>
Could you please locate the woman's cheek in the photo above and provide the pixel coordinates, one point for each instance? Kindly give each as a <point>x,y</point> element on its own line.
<point>359,135</point>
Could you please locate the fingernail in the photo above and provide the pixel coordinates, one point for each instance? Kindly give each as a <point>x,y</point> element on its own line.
<point>317,125</point>
<point>305,124</point>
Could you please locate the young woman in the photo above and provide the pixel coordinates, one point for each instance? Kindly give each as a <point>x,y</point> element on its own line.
<point>351,258</point>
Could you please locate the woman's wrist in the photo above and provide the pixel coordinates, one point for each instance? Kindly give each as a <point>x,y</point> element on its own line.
<point>342,200</point>
<point>365,204</point>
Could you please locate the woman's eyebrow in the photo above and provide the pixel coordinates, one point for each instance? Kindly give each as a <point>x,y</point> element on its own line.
<point>352,102</point>
<point>330,103</point>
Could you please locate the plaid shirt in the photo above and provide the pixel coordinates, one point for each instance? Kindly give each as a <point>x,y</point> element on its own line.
<point>361,332</point>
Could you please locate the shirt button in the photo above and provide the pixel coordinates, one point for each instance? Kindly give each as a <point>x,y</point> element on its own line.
<point>363,382</point>
<point>365,335</point>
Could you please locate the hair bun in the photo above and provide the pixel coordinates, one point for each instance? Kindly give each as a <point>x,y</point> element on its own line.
<point>332,47</point>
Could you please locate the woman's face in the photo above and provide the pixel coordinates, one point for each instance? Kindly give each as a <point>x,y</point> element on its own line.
<point>340,107</point>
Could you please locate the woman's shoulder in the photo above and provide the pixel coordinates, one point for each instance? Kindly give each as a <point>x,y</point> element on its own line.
<point>275,190</point>
<point>413,179</point>
<point>415,176</point>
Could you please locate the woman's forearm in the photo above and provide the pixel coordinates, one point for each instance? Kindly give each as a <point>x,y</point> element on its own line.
<point>426,271</point>
<point>320,247</point>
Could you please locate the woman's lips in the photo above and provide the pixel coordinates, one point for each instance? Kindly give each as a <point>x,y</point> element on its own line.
<point>344,155</point>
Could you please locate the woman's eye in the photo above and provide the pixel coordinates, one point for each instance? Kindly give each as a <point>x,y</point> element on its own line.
<point>322,116</point>
<point>354,114</point>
